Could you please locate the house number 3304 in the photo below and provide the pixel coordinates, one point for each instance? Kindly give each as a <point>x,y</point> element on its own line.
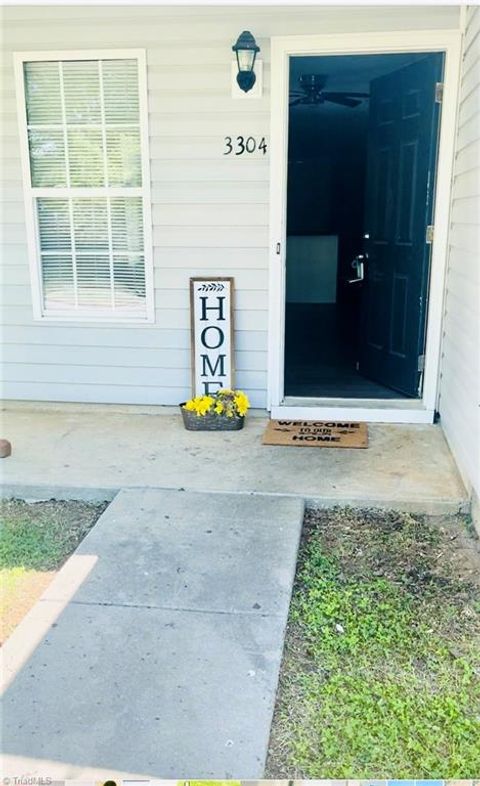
<point>240,145</point>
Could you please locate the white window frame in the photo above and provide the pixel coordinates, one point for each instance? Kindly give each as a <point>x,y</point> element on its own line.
<point>371,410</point>
<point>31,193</point>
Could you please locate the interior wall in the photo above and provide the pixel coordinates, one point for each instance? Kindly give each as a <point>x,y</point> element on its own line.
<point>326,183</point>
<point>312,269</point>
<point>309,203</point>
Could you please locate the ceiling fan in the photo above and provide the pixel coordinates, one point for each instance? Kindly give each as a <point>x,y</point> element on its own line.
<point>312,93</point>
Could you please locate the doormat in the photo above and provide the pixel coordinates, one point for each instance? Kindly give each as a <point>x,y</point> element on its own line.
<point>316,434</point>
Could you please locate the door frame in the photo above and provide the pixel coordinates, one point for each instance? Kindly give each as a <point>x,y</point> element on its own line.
<point>282,48</point>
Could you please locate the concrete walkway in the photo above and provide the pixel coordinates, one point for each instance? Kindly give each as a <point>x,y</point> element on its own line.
<point>92,453</point>
<point>165,662</point>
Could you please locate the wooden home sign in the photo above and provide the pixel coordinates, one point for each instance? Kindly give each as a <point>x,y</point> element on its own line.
<point>211,312</point>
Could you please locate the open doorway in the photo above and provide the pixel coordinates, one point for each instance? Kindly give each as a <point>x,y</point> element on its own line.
<point>363,134</point>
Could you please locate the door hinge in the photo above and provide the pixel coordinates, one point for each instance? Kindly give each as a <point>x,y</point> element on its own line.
<point>421,363</point>
<point>439,92</point>
<point>429,233</point>
<point>278,248</point>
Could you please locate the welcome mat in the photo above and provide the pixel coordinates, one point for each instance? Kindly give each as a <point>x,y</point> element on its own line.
<point>316,434</point>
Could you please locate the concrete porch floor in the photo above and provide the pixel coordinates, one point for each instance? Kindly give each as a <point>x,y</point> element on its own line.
<point>90,452</point>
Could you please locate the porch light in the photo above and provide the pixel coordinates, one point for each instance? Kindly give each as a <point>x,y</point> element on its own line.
<point>246,49</point>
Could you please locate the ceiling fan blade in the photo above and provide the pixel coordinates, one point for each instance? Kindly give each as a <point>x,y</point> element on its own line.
<point>312,81</point>
<point>342,100</point>
<point>337,93</point>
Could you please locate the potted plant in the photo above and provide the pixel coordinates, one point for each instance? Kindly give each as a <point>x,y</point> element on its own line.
<point>221,411</point>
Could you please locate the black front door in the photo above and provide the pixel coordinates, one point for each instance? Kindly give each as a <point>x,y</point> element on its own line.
<point>402,147</point>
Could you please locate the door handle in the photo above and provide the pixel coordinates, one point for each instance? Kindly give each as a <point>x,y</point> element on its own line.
<point>358,265</point>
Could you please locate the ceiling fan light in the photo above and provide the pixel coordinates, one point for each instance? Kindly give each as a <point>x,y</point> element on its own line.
<point>312,93</point>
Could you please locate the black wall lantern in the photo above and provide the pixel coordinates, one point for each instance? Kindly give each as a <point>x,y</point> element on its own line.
<point>246,50</point>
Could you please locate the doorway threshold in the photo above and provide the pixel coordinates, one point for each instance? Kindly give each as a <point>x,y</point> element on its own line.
<point>368,410</point>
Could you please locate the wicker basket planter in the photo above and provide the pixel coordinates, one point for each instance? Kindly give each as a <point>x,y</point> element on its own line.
<point>210,421</point>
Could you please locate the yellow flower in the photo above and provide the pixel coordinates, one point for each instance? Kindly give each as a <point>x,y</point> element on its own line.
<point>204,404</point>
<point>241,402</point>
<point>200,404</point>
<point>224,402</point>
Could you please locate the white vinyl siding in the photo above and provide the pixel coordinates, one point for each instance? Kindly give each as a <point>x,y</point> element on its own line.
<point>459,401</point>
<point>83,185</point>
<point>210,212</point>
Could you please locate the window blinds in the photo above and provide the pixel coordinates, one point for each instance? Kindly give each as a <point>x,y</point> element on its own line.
<point>83,123</point>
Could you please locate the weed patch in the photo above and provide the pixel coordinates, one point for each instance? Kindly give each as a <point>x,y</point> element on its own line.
<point>381,672</point>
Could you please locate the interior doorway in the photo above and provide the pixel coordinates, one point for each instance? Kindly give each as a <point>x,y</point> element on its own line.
<point>363,137</point>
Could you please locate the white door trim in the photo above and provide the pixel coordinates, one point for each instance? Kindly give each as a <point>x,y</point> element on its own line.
<point>282,48</point>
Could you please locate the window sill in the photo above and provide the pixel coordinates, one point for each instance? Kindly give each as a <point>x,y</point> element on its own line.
<point>95,319</point>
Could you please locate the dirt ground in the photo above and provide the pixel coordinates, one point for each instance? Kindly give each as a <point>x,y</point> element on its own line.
<point>35,540</point>
<point>440,548</point>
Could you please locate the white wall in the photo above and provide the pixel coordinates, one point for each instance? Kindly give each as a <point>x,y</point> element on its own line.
<point>460,371</point>
<point>210,212</point>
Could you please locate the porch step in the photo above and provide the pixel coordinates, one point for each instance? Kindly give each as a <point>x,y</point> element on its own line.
<point>92,453</point>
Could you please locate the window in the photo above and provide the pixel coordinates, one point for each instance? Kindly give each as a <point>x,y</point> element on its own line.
<point>86,184</point>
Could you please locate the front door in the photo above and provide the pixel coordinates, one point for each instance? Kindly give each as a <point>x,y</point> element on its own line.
<point>402,149</point>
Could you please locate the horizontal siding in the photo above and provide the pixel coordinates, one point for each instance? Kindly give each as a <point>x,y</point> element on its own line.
<point>111,394</point>
<point>58,334</point>
<point>469,107</point>
<point>465,210</point>
<point>211,237</point>
<point>203,27</point>
<point>210,212</point>
<point>187,171</point>
<point>245,300</point>
<point>460,371</point>
<point>212,215</point>
<point>464,236</point>
<point>167,125</point>
<point>467,157</point>
<point>164,318</point>
<point>185,258</point>
<point>253,193</point>
<point>119,357</point>
<point>178,278</point>
<point>115,375</point>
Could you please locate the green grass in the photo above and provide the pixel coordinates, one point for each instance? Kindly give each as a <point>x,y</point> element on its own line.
<point>381,676</point>
<point>39,536</point>
<point>35,539</point>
